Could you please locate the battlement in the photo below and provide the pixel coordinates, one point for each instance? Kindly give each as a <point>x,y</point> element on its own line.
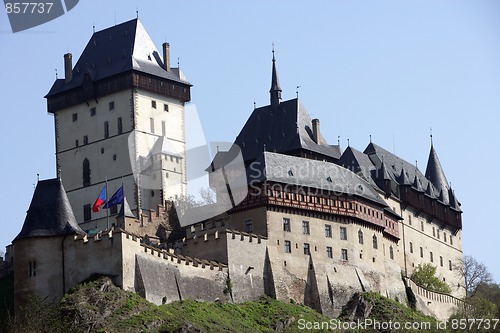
<point>216,234</point>
<point>185,260</point>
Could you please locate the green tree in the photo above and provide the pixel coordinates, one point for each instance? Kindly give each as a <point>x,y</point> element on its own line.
<point>425,276</point>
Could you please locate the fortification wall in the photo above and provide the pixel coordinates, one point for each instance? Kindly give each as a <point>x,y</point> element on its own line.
<point>439,305</point>
<point>162,277</point>
<point>247,265</point>
<point>38,268</point>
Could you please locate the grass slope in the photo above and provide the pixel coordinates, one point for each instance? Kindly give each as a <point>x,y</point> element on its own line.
<point>99,306</point>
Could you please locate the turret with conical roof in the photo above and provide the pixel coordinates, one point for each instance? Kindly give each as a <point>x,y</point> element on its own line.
<point>435,174</point>
<point>50,213</point>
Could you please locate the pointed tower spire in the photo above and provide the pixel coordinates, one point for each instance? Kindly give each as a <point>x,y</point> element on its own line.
<point>275,91</point>
<point>434,172</point>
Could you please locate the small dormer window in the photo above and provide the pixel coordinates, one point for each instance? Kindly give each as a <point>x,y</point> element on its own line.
<point>290,173</point>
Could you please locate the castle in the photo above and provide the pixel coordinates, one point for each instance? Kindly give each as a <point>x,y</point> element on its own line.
<point>317,224</point>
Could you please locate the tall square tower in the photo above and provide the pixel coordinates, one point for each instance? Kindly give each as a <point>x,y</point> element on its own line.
<point>119,110</point>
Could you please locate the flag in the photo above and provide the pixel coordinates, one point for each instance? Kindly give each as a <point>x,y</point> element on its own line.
<point>116,199</point>
<point>101,199</point>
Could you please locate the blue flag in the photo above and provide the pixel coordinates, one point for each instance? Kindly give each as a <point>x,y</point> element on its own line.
<point>116,199</point>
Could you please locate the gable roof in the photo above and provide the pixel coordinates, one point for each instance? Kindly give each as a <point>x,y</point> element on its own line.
<point>309,173</point>
<point>115,50</point>
<point>50,213</point>
<point>286,129</point>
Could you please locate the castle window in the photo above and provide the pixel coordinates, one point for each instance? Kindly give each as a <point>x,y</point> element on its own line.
<point>328,231</point>
<point>305,227</point>
<point>451,240</point>
<point>31,269</point>
<point>421,252</point>
<point>75,116</point>
<point>431,256</point>
<point>391,252</point>
<point>111,105</point>
<point>441,261</point>
<point>307,251</point>
<point>92,112</point>
<point>411,247</point>
<point>444,237</point>
<point>438,235</point>
<point>76,143</point>
<point>86,172</point>
<point>422,225</point>
<point>288,247</point>
<point>409,219</point>
<point>433,232</point>
<point>248,226</point>
<point>286,225</point>
<point>449,265</point>
<point>344,254</point>
<point>360,237</point>
<point>343,233</point>
<point>152,125</point>
<point>329,252</point>
<point>153,104</point>
<point>165,107</point>
<point>163,128</point>
<point>85,140</point>
<point>86,212</point>
<point>106,129</point>
<point>375,242</point>
<point>120,125</point>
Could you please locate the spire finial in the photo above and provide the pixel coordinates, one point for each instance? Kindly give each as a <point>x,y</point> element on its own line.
<point>137,13</point>
<point>431,136</point>
<point>93,27</point>
<point>254,104</point>
<point>348,144</point>
<point>297,91</point>
<point>370,138</point>
<point>338,140</point>
<point>275,91</point>
<point>179,63</point>
<point>56,73</point>
<point>416,164</point>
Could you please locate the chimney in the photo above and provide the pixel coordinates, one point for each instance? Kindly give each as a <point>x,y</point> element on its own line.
<point>68,67</point>
<point>166,56</point>
<point>315,124</point>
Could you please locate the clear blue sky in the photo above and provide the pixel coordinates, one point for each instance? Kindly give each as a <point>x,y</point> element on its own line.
<point>390,69</point>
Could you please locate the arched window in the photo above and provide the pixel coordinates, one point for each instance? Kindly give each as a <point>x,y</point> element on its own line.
<point>391,252</point>
<point>375,243</point>
<point>86,172</point>
<point>360,237</point>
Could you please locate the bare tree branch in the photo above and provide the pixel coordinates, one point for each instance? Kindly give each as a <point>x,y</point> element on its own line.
<point>474,274</point>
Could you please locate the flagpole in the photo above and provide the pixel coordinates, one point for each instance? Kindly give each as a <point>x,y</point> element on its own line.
<point>107,206</point>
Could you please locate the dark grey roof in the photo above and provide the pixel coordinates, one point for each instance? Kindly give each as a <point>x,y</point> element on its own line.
<point>50,213</point>
<point>309,173</point>
<point>286,129</point>
<point>434,172</point>
<point>395,165</point>
<point>118,49</point>
<point>358,163</point>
